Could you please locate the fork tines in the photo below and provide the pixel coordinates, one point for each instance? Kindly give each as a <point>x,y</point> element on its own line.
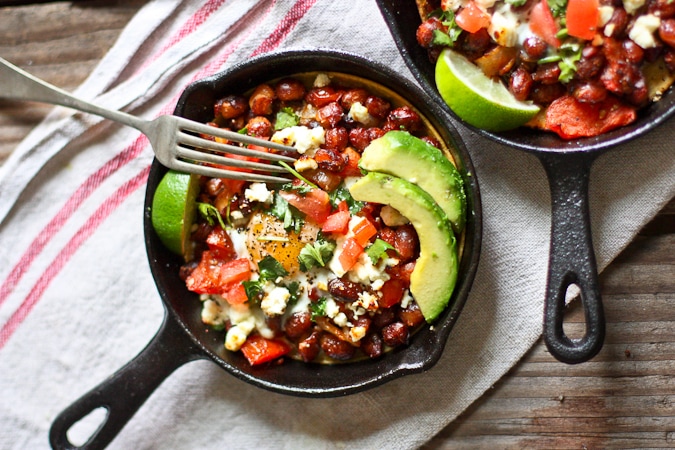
<point>192,150</point>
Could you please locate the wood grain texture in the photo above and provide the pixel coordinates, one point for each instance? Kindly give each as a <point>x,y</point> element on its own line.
<point>623,398</point>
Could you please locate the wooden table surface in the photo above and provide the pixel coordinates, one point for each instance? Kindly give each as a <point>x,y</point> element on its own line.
<point>624,397</point>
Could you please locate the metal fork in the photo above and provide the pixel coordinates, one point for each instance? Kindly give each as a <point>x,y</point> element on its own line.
<point>175,140</point>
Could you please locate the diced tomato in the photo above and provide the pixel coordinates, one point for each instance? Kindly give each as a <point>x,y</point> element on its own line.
<point>543,24</point>
<point>351,168</point>
<point>582,18</point>
<point>338,222</point>
<point>258,350</point>
<point>343,206</point>
<point>315,204</point>
<point>205,278</point>
<point>220,244</point>
<point>235,271</point>
<point>572,119</point>
<point>472,18</point>
<point>235,294</point>
<point>392,292</point>
<point>363,231</point>
<point>351,250</point>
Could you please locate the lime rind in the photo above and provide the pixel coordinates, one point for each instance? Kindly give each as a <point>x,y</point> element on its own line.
<point>477,99</point>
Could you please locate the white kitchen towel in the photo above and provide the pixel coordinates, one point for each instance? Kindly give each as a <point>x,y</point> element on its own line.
<point>77,300</point>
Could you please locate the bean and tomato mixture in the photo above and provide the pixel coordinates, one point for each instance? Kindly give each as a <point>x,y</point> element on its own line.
<point>590,64</point>
<point>302,269</point>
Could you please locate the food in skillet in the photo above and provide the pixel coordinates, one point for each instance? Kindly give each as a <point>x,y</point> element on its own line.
<point>350,257</point>
<point>578,68</point>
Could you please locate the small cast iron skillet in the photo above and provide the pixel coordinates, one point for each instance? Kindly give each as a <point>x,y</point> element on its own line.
<point>183,337</point>
<point>567,164</point>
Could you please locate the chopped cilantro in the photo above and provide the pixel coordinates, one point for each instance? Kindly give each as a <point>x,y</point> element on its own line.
<point>210,213</point>
<point>317,254</point>
<point>516,2</point>
<point>294,290</point>
<point>286,118</point>
<point>318,308</point>
<point>254,290</point>
<point>378,249</point>
<point>448,39</point>
<point>342,193</point>
<point>271,269</point>
<point>289,215</point>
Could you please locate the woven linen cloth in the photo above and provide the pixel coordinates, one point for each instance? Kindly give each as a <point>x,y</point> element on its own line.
<point>77,300</point>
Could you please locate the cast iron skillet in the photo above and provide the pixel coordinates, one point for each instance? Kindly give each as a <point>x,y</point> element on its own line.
<point>182,336</point>
<point>567,164</point>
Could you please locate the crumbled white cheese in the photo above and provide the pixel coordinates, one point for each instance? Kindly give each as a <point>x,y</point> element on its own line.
<point>359,113</point>
<point>334,265</point>
<point>357,333</point>
<point>642,31</point>
<point>258,192</point>
<point>452,5</point>
<point>606,13</point>
<point>211,313</point>
<point>406,299</point>
<point>365,272</point>
<point>631,6</point>
<point>340,319</point>
<point>304,164</point>
<point>332,308</point>
<point>237,334</point>
<point>367,301</point>
<point>377,284</point>
<point>275,300</point>
<point>504,26</point>
<point>306,140</point>
<point>322,80</point>
<point>485,4</point>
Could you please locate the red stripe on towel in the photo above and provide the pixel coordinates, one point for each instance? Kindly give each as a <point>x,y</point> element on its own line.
<point>284,27</point>
<point>92,224</point>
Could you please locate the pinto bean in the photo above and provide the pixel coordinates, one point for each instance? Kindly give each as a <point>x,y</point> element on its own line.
<point>336,348</point>
<point>351,96</point>
<point>383,317</point>
<point>534,47</point>
<point>476,44</point>
<point>403,118</point>
<point>344,289</point>
<point>260,126</point>
<point>589,92</point>
<point>326,180</point>
<point>546,93</point>
<point>329,115</point>
<point>633,52</point>
<point>547,73</point>
<point>520,83</point>
<point>336,138</point>
<point>411,315</point>
<point>377,106</point>
<point>290,89</point>
<point>230,107</point>
<point>406,242</point>
<point>665,9</point>
<point>321,96</point>
<point>329,160</point>
<point>262,99</point>
<point>298,324</point>
<point>372,345</point>
<point>310,346</point>
<point>395,334</point>
<point>617,24</point>
<point>667,32</point>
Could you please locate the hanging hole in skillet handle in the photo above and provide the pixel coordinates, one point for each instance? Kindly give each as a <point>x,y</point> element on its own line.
<point>122,394</point>
<point>571,259</point>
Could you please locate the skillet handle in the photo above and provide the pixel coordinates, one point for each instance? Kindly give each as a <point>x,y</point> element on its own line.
<point>122,394</point>
<point>571,259</point>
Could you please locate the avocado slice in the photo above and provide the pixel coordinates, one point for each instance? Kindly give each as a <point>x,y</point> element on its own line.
<point>435,274</point>
<point>405,156</point>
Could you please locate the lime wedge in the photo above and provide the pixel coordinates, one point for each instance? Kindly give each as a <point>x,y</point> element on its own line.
<point>477,99</point>
<point>174,209</point>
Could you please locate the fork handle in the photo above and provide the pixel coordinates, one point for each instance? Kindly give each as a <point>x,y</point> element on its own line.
<point>17,84</point>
